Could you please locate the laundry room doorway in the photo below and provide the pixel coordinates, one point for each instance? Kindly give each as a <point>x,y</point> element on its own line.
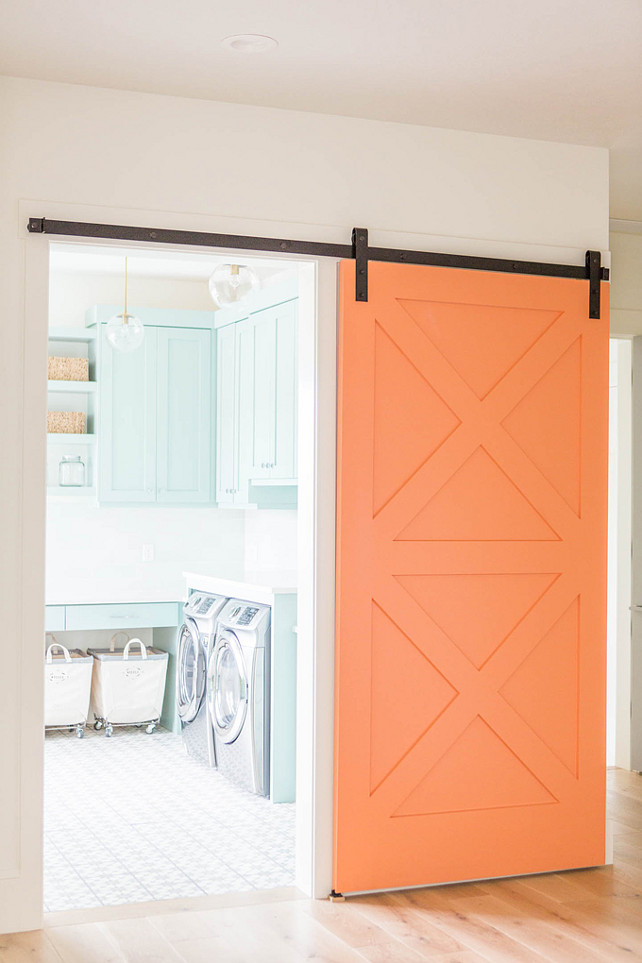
<point>187,474</point>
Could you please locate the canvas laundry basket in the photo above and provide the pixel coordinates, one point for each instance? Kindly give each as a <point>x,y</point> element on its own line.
<point>128,685</point>
<point>67,687</point>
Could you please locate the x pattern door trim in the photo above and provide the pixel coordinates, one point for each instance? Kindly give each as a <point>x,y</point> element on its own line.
<point>480,433</point>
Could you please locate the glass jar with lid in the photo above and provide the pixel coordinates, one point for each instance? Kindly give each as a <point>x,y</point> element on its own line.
<point>71,472</point>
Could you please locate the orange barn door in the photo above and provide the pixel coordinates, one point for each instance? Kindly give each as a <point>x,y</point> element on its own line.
<point>471,577</point>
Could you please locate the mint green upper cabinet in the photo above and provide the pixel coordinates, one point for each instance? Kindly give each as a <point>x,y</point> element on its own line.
<point>274,430</point>
<point>256,412</point>
<point>246,348</point>
<point>263,388</point>
<point>155,424</point>
<point>184,415</point>
<point>286,399</point>
<point>226,414</point>
<point>235,358</point>
<point>127,422</point>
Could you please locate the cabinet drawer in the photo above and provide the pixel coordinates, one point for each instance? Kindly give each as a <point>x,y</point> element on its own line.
<point>137,615</point>
<point>54,618</point>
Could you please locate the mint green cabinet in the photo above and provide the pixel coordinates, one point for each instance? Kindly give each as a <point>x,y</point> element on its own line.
<point>274,418</point>
<point>127,421</point>
<point>235,361</point>
<point>256,413</point>
<point>226,414</point>
<point>284,452</point>
<point>155,423</point>
<point>183,427</point>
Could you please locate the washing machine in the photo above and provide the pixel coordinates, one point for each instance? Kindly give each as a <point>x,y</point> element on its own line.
<point>238,694</point>
<point>195,642</point>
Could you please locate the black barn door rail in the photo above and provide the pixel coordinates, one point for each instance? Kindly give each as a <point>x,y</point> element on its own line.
<point>592,271</point>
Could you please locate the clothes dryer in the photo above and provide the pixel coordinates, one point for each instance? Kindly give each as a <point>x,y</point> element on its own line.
<point>238,694</point>
<point>195,641</point>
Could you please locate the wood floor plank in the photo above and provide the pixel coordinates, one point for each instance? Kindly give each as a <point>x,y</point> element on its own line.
<point>34,947</point>
<point>398,917</point>
<point>529,930</point>
<point>393,952</point>
<point>139,942</point>
<point>533,906</point>
<point>85,943</point>
<point>287,925</point>
<point>346,922</point>
<point>474,934</point>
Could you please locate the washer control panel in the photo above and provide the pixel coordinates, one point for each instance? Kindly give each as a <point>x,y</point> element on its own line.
<point>244,616</point>
<point>199,604</point>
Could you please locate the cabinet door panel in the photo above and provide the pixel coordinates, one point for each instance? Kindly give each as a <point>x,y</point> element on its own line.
<point>264,376</point>
<point>184,419</point>
<point>284,464</point>
<point>245,349</point>
<point>226,421</point>
<point>127,429</point>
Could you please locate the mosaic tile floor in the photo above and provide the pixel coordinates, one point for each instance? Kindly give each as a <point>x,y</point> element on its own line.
<point>133,818</point>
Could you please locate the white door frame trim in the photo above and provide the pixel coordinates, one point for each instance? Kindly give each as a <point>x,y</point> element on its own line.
<point>317,456</point>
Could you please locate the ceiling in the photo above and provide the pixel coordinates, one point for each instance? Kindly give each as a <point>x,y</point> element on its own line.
<point>146,263</point>
<point>563,70</point>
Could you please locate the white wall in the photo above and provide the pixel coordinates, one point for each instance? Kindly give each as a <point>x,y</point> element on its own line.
<point>619,558</point>
<point>95,154</point>
<point>72,292</point>
<point>626,282</point>
<point>271,541</point>
<point>626,322</point>
<point>95,554</point>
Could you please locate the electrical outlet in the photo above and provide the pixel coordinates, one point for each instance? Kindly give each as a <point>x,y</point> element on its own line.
<point>148,553</point>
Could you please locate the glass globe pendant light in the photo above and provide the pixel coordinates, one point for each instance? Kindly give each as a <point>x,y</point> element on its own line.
<point>125,332</point>
<point>230,283</point>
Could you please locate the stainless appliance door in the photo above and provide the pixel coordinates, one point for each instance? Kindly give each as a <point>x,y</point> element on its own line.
<point>228,688</point>
<point>191,671</point>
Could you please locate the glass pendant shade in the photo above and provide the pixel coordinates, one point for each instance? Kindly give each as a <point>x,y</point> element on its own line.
<point>124,331</point>
<point>230,283</point>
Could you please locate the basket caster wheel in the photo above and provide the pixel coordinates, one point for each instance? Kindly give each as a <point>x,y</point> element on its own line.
<point>150,728</point>
<point>98,725</point>
<point>109,731</point>
<point>80,732</point>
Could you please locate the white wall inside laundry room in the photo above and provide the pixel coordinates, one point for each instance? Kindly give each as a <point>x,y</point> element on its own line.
<point>271,541</point>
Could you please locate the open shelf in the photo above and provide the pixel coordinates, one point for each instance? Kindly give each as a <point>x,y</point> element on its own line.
<point>66,491</point>
<point>72,334</point>
<point>69,438</point>
<point>72,387</point>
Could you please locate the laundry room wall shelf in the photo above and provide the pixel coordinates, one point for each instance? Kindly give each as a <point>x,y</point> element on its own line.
<point>68,341</point>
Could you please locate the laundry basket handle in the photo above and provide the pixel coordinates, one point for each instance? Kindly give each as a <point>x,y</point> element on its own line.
<point>143,650</point>
<point>112,641</point>
<point>57,645</point>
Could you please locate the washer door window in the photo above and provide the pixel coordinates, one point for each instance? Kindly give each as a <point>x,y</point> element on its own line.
<point>228,689</point>
<point>191,672</point>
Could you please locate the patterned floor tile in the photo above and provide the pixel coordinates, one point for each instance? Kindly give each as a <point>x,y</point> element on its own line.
<point>134,818</point>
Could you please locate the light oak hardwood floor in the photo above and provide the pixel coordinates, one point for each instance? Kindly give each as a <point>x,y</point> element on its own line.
<point>584,916</point>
